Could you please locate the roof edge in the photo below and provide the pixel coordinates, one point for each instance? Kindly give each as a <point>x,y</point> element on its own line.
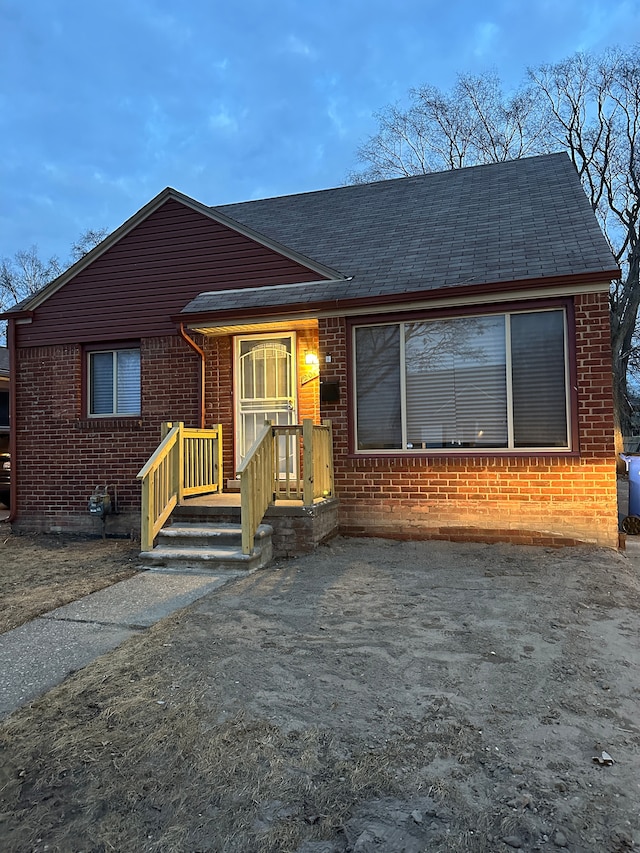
<point>570,284</point>
<point>18,312</point>
<point>260,288</point>
<point>419,176</point>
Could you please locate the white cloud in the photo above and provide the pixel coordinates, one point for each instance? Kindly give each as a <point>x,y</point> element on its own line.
<point>299,47</point>
<point>486,34</point>
<point>169,26</point>
<point>603,22</point>
<point>222,119</point>
<point>336,121</point>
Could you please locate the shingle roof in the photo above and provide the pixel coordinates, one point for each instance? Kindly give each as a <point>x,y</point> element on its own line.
<point>505,222</point>
<point>4,361</point>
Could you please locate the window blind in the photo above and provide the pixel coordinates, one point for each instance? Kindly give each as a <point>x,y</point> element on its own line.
<point>114,382</point>
<point>101,383</point>
<point>456,383</point>
<point>539,379</point>
<point>128,382</point>
<point>378,387</point>
<point>495,381</point>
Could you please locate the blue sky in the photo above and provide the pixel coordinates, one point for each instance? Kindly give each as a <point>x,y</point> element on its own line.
<point>103,104</point>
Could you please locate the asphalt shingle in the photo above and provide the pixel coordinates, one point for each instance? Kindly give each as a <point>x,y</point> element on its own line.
<point>505,222</point>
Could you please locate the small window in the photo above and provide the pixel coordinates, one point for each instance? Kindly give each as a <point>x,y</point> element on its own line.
<point>114,382</point>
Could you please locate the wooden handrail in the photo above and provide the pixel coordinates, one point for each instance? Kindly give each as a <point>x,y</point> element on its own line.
<point>187,462</point>
<point>257,476</point>
<point>262,480</point>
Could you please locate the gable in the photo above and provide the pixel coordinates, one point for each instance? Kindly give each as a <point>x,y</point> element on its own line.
<point>132,289</point>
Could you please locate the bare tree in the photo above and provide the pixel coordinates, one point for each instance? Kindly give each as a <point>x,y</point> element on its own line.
<point>588,105</point>
<point>592,109</point>
<point>474,123</point>
<point>24,274</point>
<point>87,241</point>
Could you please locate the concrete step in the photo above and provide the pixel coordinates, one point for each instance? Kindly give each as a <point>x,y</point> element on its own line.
<point>201,535</point>
<point>210,548</point>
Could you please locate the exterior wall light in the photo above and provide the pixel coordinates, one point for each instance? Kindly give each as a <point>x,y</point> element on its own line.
<point>312,368</point>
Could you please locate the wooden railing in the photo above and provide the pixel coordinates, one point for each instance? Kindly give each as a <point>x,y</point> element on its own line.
<point>257,478</point>
<point>202,460</point>
<point>285,462</point>
<point>318,468</point>
<point>187,462</point>
<point>292,462</point>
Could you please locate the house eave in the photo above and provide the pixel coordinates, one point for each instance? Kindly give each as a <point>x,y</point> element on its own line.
<point>209,321</point>
<point>20,315</point>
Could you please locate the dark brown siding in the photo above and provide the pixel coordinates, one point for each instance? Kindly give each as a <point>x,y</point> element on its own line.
<point>167,260</point>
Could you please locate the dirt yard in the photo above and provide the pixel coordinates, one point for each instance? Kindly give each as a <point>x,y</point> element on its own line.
<point>375,696</point>
<point>40,573</point>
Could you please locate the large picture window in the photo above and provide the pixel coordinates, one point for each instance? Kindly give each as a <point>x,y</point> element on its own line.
<point>114,382</point>
<point>490,382</point>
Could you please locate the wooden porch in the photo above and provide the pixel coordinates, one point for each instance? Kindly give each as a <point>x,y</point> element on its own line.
<point>285,481</point>
<point>232,498</point>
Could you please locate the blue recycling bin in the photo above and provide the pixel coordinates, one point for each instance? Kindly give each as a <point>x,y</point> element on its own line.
<point>633,469</point>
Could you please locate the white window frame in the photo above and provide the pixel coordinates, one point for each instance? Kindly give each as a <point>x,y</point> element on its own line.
<point>114,413</point>
<point>484,451</point>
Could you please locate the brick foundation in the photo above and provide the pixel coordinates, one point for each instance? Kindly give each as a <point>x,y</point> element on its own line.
<point>297,530</point>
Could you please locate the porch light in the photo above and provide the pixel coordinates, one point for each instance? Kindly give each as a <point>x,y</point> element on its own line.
<point>311,359</point>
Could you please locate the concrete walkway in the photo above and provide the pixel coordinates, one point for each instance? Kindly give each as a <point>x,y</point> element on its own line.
<point>40,654</point>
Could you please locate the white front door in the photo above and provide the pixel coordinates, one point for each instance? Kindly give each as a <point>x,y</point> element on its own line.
<point>265,390</point>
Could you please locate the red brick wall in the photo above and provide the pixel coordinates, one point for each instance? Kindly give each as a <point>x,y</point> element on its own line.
<point>308,380</point>
<point>219,397</point>
<point>62,455</point>
<point>593,357</point>
<point>526,499</point>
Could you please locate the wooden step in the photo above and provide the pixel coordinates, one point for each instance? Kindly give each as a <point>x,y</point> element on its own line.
<point>209,548</point>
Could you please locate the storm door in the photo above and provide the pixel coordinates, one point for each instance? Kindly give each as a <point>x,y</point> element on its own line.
<point>265,390</point>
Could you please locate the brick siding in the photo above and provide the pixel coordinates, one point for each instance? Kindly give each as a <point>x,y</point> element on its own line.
<point>63,455</point>
<point>525,499</point>
<point>82,453</point>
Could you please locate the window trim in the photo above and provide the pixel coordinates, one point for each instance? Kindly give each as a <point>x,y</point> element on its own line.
<point>502,308</point>
<point>93,349</point>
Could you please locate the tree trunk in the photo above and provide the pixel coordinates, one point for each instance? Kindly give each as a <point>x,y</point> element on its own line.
<point>621,411</point>
<point>623,322</point>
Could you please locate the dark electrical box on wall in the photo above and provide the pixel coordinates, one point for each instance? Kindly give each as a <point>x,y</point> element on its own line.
<point>329,392</point>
